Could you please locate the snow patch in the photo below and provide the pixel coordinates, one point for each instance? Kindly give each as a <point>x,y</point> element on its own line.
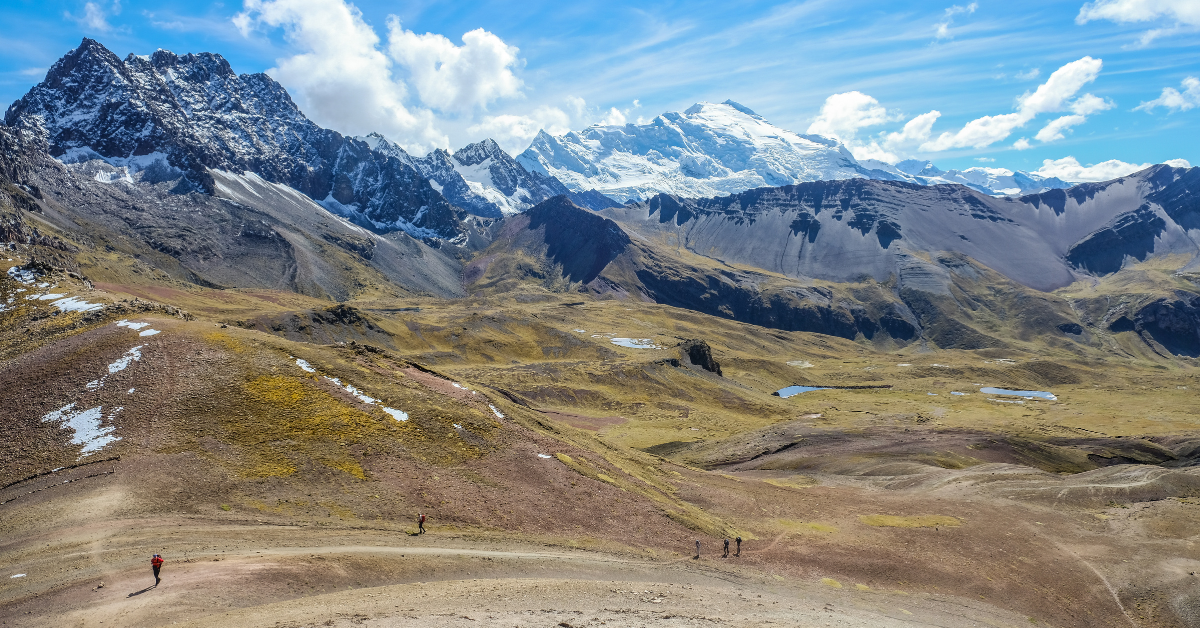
<point>496,411</point>
<point>305,366</point>
<point>133,326</point>
<point>399,415</point>
<point>150,332</point>
<point>86,426</point>
<point>75,304</point>
<point>544,456</point>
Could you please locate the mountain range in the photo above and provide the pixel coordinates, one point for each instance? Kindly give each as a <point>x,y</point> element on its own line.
<point>720,212</point>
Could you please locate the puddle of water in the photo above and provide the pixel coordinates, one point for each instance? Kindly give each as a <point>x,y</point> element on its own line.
<point>792,391</point>
<point>635,343</point>
<point>1019,393</point>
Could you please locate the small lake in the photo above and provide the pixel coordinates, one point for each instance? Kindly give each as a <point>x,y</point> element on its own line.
<point>635,343</point>
<point>792,391</point>
<point>1019,393</point>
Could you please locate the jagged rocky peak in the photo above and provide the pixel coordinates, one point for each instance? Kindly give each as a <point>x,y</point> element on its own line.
<point>477,153</point>
<point>196,114</point>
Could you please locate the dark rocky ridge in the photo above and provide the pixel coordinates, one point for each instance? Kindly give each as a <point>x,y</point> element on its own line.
<point>843,230</point>
<point>198,115</point>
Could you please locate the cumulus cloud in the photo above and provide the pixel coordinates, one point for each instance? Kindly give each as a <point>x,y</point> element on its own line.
<point>1178,163</point>
<point>1178,15</point>
<point>456,78</point>
<point>341,78</point>
<point>844,114</point>
<point>1069,169</point>
<point>344,76</point>
<point>942,30</point>
<point>1022,144</point>
<point>1028,75</point>
<point>1174,99</point>
<point>1054,95</point>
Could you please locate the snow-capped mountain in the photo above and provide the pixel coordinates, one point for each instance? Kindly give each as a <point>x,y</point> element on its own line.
<point>719,149</point>
<point>708,150</point>
<point>993,181</point>
<point>182,116</point>
<point>485,180</point>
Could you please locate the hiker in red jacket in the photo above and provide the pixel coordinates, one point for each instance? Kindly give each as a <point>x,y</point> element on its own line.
<point>421,524</point>
<point>156,562</point>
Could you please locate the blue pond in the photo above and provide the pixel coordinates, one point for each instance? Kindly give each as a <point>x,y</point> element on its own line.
<point>1019,393</point>
<point>792,391</point>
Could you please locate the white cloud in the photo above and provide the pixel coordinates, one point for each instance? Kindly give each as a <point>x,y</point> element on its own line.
<point>341,79</point>
<point>985,160</point>
<point>1181,15</point>
<point>1052,96</point>
<point>1069,169</point>
<point>844,114</point>
<point>95,16</point>
<point>1022,144</point>
<point>1028,75</point>
<point>1175,100</point>
<point>1054,130</point>
<point>614,117</point>
<point>942,30</point>
<point>514,132</point>
<point>1178,163</point>
<point>456,78</point>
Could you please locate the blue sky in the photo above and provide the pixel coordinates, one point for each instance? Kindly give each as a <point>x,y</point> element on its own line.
<point>445,74</point>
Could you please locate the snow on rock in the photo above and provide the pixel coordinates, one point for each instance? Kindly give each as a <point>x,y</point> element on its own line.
<point>26,277</point>
<point>720,149</point>
<point>86,424</point>
<point>75,304</point>
<point>708,150</point>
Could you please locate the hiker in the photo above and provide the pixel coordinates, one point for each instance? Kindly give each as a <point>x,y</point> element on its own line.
<point>697,548</point>
<point>739,546</point>
<point>156,563</point>
<point>421,524</point>
<point>726,554</point>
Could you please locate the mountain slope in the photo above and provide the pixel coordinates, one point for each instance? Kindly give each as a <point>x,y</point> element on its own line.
<point>708,150</point>
<point>719,149</point>
<point>180,117</point>
<point>485,180</point>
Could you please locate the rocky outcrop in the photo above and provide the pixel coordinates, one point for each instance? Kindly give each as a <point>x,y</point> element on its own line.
<point>1172,323</point>
<point>699,353</point>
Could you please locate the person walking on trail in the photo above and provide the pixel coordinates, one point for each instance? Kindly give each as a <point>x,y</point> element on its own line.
<point>156,563</point>
<point>726,554</point>
<point>421,524</point>
<point>697,548</point>
<point>739,546</point>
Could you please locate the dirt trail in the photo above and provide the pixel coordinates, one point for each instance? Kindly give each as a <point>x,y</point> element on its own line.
<point>236,576</point>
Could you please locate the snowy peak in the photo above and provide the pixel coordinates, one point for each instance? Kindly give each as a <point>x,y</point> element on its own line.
<point>474,154</point>
<point>716,149</point>
<point>711,149</point>
<point>194,113</point>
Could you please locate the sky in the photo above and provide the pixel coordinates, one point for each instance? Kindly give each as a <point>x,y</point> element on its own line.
<point>1082,90</point>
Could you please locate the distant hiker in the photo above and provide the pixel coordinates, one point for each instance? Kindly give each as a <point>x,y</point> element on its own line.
<point>726,554</point>
<point>421,524</point>
<point>697,548</point>
<point>156,563</point>
<point>739,546</point>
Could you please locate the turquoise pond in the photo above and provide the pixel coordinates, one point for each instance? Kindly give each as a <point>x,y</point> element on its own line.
<point>792,391</point>
<point>1019,393</point>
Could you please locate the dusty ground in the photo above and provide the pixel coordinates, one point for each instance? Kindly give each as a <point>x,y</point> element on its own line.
<point>566,478</point>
